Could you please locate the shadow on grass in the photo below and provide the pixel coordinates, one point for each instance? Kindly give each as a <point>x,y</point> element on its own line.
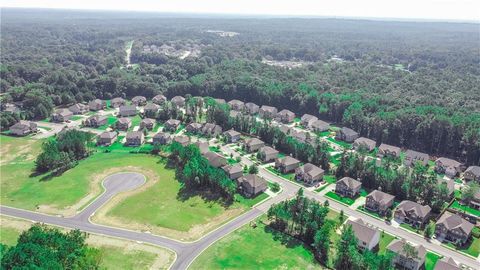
<point>187,192</point>
<point>286,240</point>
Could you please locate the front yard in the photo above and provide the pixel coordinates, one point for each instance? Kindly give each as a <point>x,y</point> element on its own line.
<point>334,196</point>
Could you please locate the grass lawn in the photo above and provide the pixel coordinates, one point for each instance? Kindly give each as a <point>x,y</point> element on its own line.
<point>385,239</point>
<point>288,176</point>
<point>110,121</point>
<point>340,143</point>
<point>334,196</point>
<point>76,117</point>
<point>249,202</point>
<point>256,248</point>
<point>322,188</point>
<point>331,179</point>
<point>368,212</point>
<point>215,149</point>
<point>46,128</point>
<point>135,122</point>
<point>412,229</point>
<point>430,260</point>
<point>363,192</point>
<point>472,249</point>
<point>457,205</point>
<point>323,133</point>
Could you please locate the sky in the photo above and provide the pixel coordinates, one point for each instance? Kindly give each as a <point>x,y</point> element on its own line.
<point>398,9</point>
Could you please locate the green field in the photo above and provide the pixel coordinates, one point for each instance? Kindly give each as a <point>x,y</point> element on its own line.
<point>334,196</point>
<point>256,248</point>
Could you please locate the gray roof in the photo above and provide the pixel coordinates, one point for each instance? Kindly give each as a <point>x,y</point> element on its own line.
<point>447,263</point>
<point>220,100</point>
<point>450,184</point>
<point>216,160</point>
<point>178,100</point>
<point>380,196</point>
<point>97,118</point>
<point>108,135</point>
<point>267,150</point>
<point>231,169</point>
<point>24,125</point>
<point>350,182</point>
<point>307,117</point>
<point>139,98</point>
<point>124,120</point>
<point>286,112</point>
<point>418,209</point>
<point>202,146</point>
<point>117,100</point>
<point>475,170</point>
<point>348,131</point>
<point>232,133</point>
<point>148,121</point>
<point>127,108</point>
<point>181,139</point>
<point>253,141</point>
<point>151,107</point>
<point>288,160</point>
<point>397,245</point>
<point>78,107</point>
<point>453,221</point>
<point>235,102</point>
<point>253,180</point>
<point>369,143</point>
<point>362,230</point>
<point>269,109</point>
<point>311,169</point>
<point>251,106</point>
<point>159,98</point>
<point>63,112</point>
<point>319,124</point>
<point>173,122</point>
<point>134,134</point>
<point>390,148</point>
<point>161,135</point>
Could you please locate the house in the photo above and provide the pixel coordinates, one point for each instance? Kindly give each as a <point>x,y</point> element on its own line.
<point>378,201</point>
<point>234,171</point>
<point>346,134</point>
<point>107,138</point>
<point>388,150</point>
<point>151,110</point>
<point>232,136</point>
<point>403,260</point>
<point>182,139</point>
<point>171,125</point>
<point>447,263</point>
<point>147,123</point>
<point>453,228</point>
<point>285,116</point>
<point>267,112</point>
<point>123,123</point>
<point>267,154</point>
<point>216,160</point>
<point>253,144</point>
<point>235,114</point>
<point>178,101</point>
<point>309,174</point>
<point>251,185</point>
<point>319,126</point>
<point>448,166</point>
<point>211,130</point>
<point>23,128</point>
<point>364,144</point>
<point>412,213</point>
<point>162,138</point>
<point>236,105</point>
<point>139,101</point>
<point>284,129</point>
<point>368,237</point>
<point>134,138</point>
<point>286,164</point>
<point>251,108</point>
<point>448,183</point>
<point>95,121</point>
<point>307,120</point>
<point>117,102</point>
<point>159,99</point>
<point>79,108</point>
<point>127,110</point>
<point>220,101</point>
<point>193,127</point>
<point>412,157</point>
<point>61,115</point>
<point>472,173</point>
<point>348,187</point>
<point>299,135</point>
<point>97,105</point>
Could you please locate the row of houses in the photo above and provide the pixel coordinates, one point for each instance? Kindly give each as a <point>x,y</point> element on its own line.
<point>206,129</point>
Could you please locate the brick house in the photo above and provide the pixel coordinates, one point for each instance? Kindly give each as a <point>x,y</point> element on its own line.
<point>79,108</point>
<point>364,143</point>
<point>61,115</point>
<point>147,123</point>
<point>178,101</point>
<point>307,120</point>
<point>117,102</point>
<point>388,150</point>
<point>412,157</point>
<point>472,173</point>
<point>171,125</point>
<point>211,130</point>
<point>233,171</point>
<point>232,136</point>
<point>368,237</point>
<point>159,99</point>
<point>236,105</point>
<point>448,166</point>
<point>127,110</point>
<point>162,138</point>
<point>95,121</point>
<point>251,185</point>
<point>107,138</point>
<point>97,105</point>
<point>251,108</point>
<point>134,138</point>
<point>182,139</point>
<point>285,116</point>
<point>403,260</point>
<point>267,112</point>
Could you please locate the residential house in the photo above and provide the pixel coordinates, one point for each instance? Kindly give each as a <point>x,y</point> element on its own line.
<point>23,128</point>
<point>123,123</point>
<point>147,123</point>
<point>139,101</point>
<point>202,146</point>
<point>235,114</point>
<point>79,108</point>
<point>220,101</point>
<point>178,101</point>
<point>253,144</point>
<point>95,121</point>
<point>211,130</point>
<point>151,110</point>
<point>251,185</point>
<point>448,183</point>
<point>402,259</point>
<point>309,174</point>
<point>171,125</point>
<point>97,105</point>
<point>475,201</point>
<point>251,108</point>
<point>61,115</point>
<point>236,105</point>
<point>320,126</point>
<point>448,166</point>
<point>364,143</point>
<point>285,116</point>
<point>368,237</point>
<point>299,135</point>
<point>286,164</point>
<point>307,120</point>
<point>232,136</point>
<point>193,128</point>
<point>378,201</point>
<point>284,129</point>
<point>159,99</point>
<point>267,154</point>
<point>233,171</point>
<point>268,112</point>
<point>412,157</point>
<point>182,139</point>
<point>117,102</point>
<point>447,263</point>
<point>453,228</point>
<point>216,160</point>
<point>134,138</point>
<point>348,187</point>
<point>346,134</point>
<point>412,213</point>
<point>472,173</point>
<point>127,110</point>
<point>162,138</point>
<point>107,138</point>
<point>388,150</point>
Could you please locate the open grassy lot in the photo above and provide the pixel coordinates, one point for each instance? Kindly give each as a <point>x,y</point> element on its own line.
<point>334,196</point>
<point>256,248</point>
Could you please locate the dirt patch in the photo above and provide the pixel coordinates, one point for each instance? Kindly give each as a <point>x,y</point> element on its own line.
<point>8,155</point>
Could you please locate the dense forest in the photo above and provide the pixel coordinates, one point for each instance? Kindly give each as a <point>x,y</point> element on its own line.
<point>410,84</point>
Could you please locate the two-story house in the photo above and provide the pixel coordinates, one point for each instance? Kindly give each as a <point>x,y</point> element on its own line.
<point>348,187</point>
<point>412,213</point>
<point>378,201</point>
<point>309,174</point>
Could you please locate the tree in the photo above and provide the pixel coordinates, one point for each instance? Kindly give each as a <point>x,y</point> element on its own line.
<point>253,169</point>
<point>275,187</point>
<point>469,192</point>
<point>388,214</point>
<point>429,229</point>
<point>348,257</point>
<point>409,251</point>
<point>322,242</point>
<point>341,218</point>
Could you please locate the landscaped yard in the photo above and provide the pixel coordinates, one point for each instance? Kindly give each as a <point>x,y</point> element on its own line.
<point>76,117</point>
<point>256,248</point>
<point>340,143</point>
<point>410,228</point>
<point>110,121</point>
<point>465,208</point>
<point>334,196</point>
<point>385,239</point>
<point>135,122</point>
<point>473,249</point>
<point>288,176</point>
<point>368,212</point>
<point>430,260</point>
<point>330,179</point>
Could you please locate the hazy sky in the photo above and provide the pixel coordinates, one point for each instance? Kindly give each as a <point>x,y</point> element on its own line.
<point>416,9</point>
